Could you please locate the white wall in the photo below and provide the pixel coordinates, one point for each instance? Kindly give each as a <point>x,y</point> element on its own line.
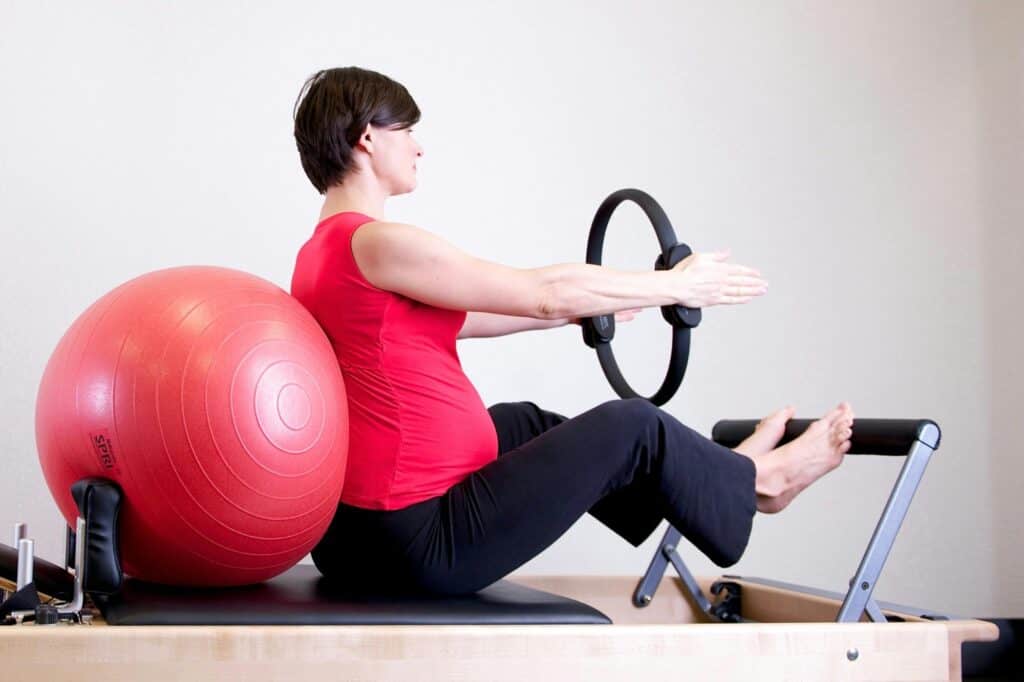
<point>999,68</point>
<point>866,156</point>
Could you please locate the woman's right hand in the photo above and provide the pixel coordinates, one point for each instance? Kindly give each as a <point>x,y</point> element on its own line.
<point>705,279</point>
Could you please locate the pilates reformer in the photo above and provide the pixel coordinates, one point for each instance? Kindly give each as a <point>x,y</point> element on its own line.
<point>87,617</point>
<point>730,626</point>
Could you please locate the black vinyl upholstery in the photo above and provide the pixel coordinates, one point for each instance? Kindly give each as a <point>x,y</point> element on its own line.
<point>301,596</point>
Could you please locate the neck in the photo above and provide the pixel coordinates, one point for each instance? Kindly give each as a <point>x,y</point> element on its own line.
<point>360,193</point>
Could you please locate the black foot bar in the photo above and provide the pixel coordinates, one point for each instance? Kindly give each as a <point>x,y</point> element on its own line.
<point>916,439</point>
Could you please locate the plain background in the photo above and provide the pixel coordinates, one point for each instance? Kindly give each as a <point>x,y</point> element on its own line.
<point>866,156</point>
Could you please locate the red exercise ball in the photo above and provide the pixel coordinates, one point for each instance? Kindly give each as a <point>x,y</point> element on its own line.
<point>215,400</point>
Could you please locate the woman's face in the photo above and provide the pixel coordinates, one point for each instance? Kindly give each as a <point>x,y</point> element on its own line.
<point>395,155</point>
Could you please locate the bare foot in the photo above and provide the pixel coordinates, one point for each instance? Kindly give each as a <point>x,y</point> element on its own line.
<point>767,434</point>
<point>784,472</point>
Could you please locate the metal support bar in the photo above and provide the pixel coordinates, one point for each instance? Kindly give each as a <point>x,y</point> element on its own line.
<point>648,585</point>
<point>666,554</point>
<point>875,613</point>
<point>871,564</point>
<point>78,600</point>
<point>691,583</point>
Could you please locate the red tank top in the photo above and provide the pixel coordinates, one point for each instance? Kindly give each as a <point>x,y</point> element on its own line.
<point>417,425</point>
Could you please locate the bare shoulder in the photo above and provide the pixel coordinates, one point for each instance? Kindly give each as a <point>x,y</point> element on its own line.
<point>381,232</point>
<point>382,249</point>
<point>374,239</point>
<point>416,263</point>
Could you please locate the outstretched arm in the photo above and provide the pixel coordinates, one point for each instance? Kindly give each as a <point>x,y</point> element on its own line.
<point>485,325</point>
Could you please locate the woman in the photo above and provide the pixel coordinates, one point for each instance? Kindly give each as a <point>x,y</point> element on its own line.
<point>446,496</point>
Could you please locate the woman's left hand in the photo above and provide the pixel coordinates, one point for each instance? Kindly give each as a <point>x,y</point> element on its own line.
<point>620,316</point>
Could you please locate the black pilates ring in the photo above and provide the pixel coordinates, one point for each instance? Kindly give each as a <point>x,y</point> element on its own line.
<point>599,331</point>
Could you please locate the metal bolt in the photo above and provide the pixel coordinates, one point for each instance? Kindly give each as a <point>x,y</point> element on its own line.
<point>852,654</point>
<point>646,599</point>
<point>864,585</point>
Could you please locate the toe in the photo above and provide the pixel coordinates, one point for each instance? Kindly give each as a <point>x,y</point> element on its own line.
<point>783,414</point>
<point>840,432</point>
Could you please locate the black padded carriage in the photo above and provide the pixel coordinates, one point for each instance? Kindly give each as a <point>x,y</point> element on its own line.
<point>301,596</point>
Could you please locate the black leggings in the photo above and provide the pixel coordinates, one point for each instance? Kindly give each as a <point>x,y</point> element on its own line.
<point>626,462</point>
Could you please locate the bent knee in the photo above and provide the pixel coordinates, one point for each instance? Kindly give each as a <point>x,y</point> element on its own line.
<point>631,410</point>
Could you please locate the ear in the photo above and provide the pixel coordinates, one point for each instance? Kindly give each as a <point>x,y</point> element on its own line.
<point>366,138</point>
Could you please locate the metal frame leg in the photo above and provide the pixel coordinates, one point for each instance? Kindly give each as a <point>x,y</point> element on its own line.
<point>858,597</point>
<point>666,554</point>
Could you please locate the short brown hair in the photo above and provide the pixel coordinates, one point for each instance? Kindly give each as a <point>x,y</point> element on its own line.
<point>332,111</point>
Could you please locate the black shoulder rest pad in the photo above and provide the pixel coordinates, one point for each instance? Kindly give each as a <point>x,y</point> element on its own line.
<point>99,502</point>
